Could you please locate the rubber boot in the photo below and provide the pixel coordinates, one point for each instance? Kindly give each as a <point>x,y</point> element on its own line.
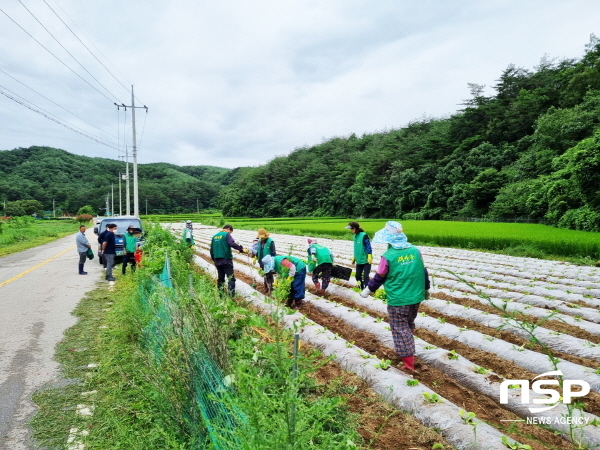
<point>81,272</point>
<point>409,362</point>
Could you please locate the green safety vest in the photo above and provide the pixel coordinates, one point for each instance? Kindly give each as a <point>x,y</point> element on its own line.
<point>219,246</point>
<point>130,242</point>
<point>359,249</point>
<point>405,281</point>
<point>264,249</point>
<point>281,270</point>
<point>322,255</point>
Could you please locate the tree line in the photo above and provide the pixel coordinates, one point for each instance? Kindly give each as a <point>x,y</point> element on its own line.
<point>40,177</point>
<point>531,150</point>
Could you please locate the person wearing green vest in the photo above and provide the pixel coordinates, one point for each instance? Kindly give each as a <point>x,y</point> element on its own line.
<point>220,252</point>
<point>320,263</point>
<point>403,274</point>
<point>188,237</point>
<point>363,254</point>
<point>265,246</point>
<point>130,245</point>
<point>293,268</point>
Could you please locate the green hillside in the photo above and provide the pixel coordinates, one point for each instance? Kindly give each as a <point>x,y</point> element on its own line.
<point>44,174</point>
<point>531,151</point>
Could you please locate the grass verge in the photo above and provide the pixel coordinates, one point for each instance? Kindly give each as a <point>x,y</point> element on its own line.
<point>21,233</point>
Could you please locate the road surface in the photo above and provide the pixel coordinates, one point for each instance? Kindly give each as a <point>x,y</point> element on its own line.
<point>39,288</point>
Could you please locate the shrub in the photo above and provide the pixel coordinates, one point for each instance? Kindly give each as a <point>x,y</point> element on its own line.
<point>583,219</point>
<point>84,218</point>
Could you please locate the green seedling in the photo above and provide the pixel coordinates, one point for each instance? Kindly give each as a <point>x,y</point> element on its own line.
<point>437,446</point>
<point>379,319</point>
<point>441,320</point>
<point>516,445</point>
<point>412,382</point>
<point>452,354</point>
<point>432,398</point>
<point>433,347</point>
<point>422,314</point>
<point>385,364</point>
<point>481,370</point>
<point>467,416</point>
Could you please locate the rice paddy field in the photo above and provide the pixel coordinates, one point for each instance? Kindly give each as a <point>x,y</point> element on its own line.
<point>515,239</point>
<point>493,324</point>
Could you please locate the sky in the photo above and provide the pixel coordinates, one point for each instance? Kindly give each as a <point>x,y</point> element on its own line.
<point>236,83</point>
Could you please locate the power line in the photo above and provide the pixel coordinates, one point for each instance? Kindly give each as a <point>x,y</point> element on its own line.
<point>91,42</point>
<point>86,47</point>
<point>64,64</point>
<point>56,119</point>
<point>64,48</point>
<point>143,128</point>
<point>63,108</point>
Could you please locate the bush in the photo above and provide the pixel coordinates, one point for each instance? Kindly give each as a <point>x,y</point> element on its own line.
<point>583,219</point>
<point>87,209</point>
<point>84,218</point>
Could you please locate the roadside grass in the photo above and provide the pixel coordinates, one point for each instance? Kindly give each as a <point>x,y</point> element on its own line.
<point>17,234</point>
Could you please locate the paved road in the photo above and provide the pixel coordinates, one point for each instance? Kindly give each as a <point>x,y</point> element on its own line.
<point>34,313</point>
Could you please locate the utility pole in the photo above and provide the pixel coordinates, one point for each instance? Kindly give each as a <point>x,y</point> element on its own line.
<point>120,201</point>
<point>112,199</point>
<point>146,206</point>
<point>136,205</point>
<point>53,208</point>
<point>127,195</point>
<point>197,209</point>
<point>107,211</point>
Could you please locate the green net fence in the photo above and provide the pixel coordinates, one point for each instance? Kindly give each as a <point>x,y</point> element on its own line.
<point>207,412</point>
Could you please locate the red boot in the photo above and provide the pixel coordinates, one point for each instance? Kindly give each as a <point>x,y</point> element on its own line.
<point>409,363</point>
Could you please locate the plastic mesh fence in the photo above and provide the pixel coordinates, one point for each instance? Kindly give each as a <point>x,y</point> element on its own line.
<point>210,394</point>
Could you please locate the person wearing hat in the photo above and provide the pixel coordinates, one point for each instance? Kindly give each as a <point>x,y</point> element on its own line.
<point>363,254</point>
<point>189,225</point>
<point>130,245</point>
<point>188,237</point>
<point>294,269</point>
<point>109,250</point>
<point>220,252</point>
<point>402,272</point>
<point>265,246</point>
<point>320,263</point>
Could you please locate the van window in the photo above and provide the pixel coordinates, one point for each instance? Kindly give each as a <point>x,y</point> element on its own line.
<point>122,224</point>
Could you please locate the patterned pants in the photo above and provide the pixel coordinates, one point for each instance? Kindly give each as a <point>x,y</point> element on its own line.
<point>402,323</point>
<point>323,271</point>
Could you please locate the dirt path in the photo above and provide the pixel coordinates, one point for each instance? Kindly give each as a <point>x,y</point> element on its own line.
<point>39,288</point>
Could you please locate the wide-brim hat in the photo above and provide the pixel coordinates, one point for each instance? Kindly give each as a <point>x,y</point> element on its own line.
<point>392,234</point>
<point>262,233</point>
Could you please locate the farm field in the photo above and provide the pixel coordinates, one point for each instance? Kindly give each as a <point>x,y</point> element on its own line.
<point>532,240</point>
<point>20,234</point>
<point>490,318</point>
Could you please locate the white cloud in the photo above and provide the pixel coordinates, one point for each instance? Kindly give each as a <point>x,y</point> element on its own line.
<point>237,83</point>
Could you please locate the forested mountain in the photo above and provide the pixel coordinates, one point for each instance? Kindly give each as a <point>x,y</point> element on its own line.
<point>44,174</point>
<point>530,150</point>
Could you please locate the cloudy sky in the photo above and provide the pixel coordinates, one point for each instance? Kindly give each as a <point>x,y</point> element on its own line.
<point>236,83</point>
